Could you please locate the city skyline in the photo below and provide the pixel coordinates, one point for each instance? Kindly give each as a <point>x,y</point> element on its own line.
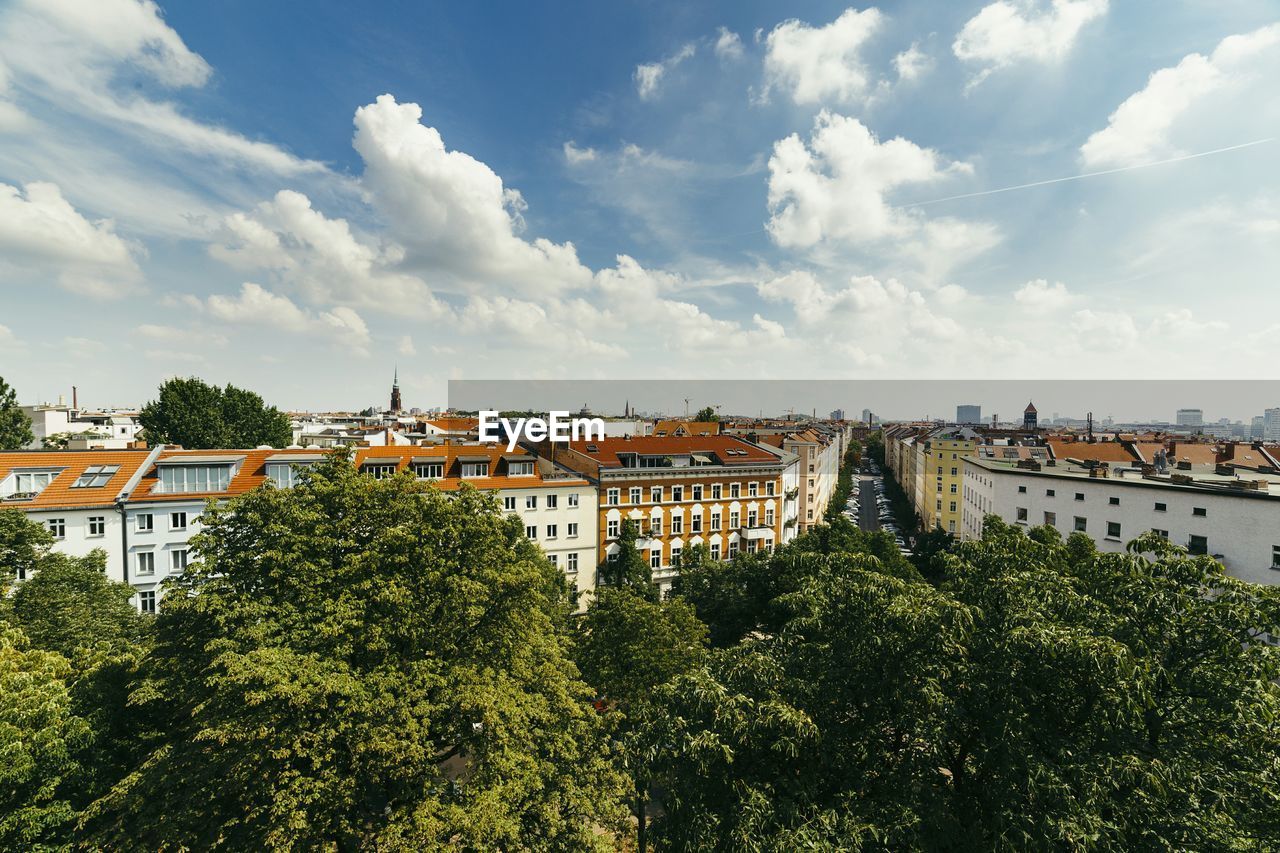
<point>1076,188</point>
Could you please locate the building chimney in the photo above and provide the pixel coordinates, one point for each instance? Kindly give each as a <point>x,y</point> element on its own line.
<point>75,399</point>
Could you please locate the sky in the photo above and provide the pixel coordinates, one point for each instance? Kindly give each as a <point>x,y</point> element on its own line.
<point>304,197</point>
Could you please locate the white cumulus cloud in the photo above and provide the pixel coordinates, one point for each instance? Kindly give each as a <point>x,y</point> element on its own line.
<point>1012,31</point>
<point>815,65</point>
<point>258,307</point>
<point>1041,297</point>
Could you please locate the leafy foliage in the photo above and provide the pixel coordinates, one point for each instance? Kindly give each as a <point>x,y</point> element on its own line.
<point>630,567</point>
<point>706,414</point>
<point>70,604</point>
<point>199,416</point>
<point>364,663</point>
<point>23,544</point>
<point>15,426</point>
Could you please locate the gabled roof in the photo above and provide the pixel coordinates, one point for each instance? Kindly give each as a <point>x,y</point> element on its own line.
<point>61,492</point>
<point>681,427</point>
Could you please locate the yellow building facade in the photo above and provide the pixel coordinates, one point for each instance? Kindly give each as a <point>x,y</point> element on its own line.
<point>940,498</point>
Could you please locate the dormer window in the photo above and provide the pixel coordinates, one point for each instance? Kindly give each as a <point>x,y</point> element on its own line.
<point>196,474</point>
<point>26,485</point>
<point>381,470</point>
<point>95,476</point>
<point>519,469</point>
<point>475,470</point>
<point>428,470</point>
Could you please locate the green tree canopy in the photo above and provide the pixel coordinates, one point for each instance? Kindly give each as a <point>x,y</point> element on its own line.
<point>23,543</point>
<point>70,604</point>
<point>706,415</point>
<point>198,416</point>
<point>1043,696</point>
<point>630,566</point>
<point>39,737</point>
<point>15,426</point>
<point>360,663</point>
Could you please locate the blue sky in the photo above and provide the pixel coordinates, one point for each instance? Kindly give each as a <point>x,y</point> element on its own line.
<point>298,196</point>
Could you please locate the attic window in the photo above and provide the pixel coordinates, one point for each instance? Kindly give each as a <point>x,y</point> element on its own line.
<point>95,476</point>
<point>591,448</point>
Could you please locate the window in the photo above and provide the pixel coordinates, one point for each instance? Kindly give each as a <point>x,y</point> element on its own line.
<point>655,526</point>
<point>613,558</point>
<point>715,491</point>
<point>177,521</point>
<point>552,501</point>
<point>953,488</point>
<point>531,530</point>
<point>1198,545</point>
<point>1113,530</point>
<point>1079,496</point>
<point>571,561</point>
<point>147,602</point>
<point>530,501</point>
<point>97,525</point>
<point>1113,501</point>
<point>769,488</point>
<point>612,528</point>
<point>285,474</point>
<point>1275,556</point>
<point>768,516</point>
<point>677,524</point>
<point>32,482</point>
<point>1022,514</point>
<point>57,527</point>
<point>677,493</point>
<point>435,470</point>
<point>509,503</point>
<point>1199,511</point>
<point>1163,534</point>
<point>475,470</point>
<point>573,500</point>
<point>573,529</point>
<point>146,563</point>
<point>733,519</point>
<point>675,555</point>
<point>381,471</point>
<point>655,494</point>
<point>611,497</point>
<point>178,559</point>
<point>733,550</point>
<point>634,496</point>
<point>953,507</point>
<point>655,558</point>
<point>1051,519</point>
<point>695,522</point>
<point>1081,524</point>
<point>519,469</point>
<point>735,490</point>
<point>751,518</point>
<point>95,476</point>
<point>1049,493</point>
<point>753,489</point>
<point>954,471</point>
<point>554,558</point>
<point>1160,507</point>
<point>551,531</point>
<point>715,521</point>
<point>715,550</point>
<point>194,478</point>
<point>695,493</point>
<point>1022,490</point>
<point>144,522</point>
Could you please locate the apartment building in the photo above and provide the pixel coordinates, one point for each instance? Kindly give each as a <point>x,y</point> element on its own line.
<point>940,475</point>
<point>682,491</point>
<point>820,447</point>
<point>1230,512</point>
<point>142,507</point>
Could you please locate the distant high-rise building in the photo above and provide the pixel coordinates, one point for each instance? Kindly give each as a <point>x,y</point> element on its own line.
<point>866,416</point>
<point>837,414</point>
<point>1029,416</point>
<point>1271,425</point>
<point>1257,427</point>
<point>1190,417</point>
<point>968,414</point>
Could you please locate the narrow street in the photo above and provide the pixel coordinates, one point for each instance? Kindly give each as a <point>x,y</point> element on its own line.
<point>867,515</point>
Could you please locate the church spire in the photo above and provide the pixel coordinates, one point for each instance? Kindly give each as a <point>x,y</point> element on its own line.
<point>396,405</point>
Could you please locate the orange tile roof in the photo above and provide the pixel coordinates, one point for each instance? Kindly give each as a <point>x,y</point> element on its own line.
<point>607,450</point>
<point>60,492</point>
<point>1197,453</point>
<point>670,427</point>
<point>455,424</point>
<point>1100,451</point>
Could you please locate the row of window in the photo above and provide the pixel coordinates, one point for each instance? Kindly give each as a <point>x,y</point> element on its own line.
<point>552,531</point>
<point>145,561</point>
<point>531,501</point>
<point>1195,544</point>
<point>636,493</point>
<point>613,527</point>
<point>570,561</point>
<point>1114,500</point>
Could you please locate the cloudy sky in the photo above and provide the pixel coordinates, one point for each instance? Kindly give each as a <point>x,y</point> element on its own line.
<point>297,197</point>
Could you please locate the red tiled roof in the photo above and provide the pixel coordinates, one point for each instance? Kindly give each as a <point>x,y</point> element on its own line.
<point>60,493</point>
<point>1101,451</point>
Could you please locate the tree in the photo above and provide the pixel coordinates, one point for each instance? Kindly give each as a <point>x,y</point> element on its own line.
<point>629,567</point>
<point>23,544</point>
<point>39,736</point>
<point>706,415</point>
<point>199,416</point>
<point>15,426</point>
<point>70,604</point>
<point>361,663</point>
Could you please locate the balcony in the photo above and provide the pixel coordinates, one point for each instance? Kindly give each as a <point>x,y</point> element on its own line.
<point>753,534</point>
